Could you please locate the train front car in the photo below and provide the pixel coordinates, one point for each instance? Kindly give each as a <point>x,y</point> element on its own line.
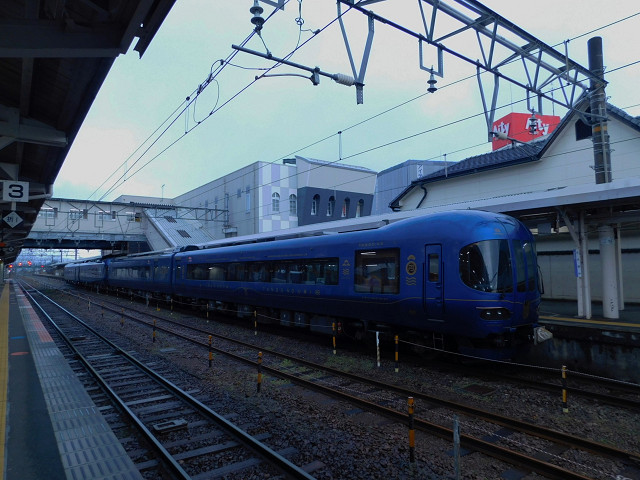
<point>490,291</point>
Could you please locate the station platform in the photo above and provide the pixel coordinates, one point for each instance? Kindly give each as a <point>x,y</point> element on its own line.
<point>558,312</point>
<point>49,426</point>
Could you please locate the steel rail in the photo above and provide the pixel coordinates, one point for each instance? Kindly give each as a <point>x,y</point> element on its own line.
<point>274,458</point>
<point>488,448</point>
<point>555,436</point>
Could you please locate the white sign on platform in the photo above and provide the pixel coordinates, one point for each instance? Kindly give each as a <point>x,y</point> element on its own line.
<point>13,219</point>
<point>13,191</point>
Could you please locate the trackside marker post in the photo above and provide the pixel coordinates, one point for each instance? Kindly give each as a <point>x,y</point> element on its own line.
<point>412,432</point>
<point>154,330</point>
<point>210,351</point>
<point>122,317</point>
<point>378,348</point>
<point>565,408</point>
<point>397,366</point>
<point>456,446</point>
<point>255,322</point>
<point>259,370</point>
<point>333,327</point>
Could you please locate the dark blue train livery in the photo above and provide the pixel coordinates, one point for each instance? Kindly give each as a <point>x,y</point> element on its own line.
<point>467,280</point>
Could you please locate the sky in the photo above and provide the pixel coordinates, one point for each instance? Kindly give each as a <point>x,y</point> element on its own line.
<point>279,117</point>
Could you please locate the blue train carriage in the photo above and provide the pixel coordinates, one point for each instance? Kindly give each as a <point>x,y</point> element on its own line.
<point>146,275</point>
<point>86,273</point>
<point>465,280</point>
<point>70,272</point>
<point>481,281</point>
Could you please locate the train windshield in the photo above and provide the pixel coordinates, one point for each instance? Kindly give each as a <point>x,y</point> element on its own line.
<point>486,266</point>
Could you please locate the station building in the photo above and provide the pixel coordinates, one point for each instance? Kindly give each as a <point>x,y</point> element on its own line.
<point>264,197</point>
<point>392,181</point>
<point>588,233</point>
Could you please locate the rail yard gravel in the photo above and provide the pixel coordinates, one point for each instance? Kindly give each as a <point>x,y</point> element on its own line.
<point>336,440</point>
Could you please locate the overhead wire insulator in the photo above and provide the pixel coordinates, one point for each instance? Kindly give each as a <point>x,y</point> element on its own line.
<point>256,11</point>
<point>432,83</point>
<point>343,79</point>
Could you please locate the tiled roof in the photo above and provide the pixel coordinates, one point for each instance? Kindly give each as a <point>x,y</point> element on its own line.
<point>521,153</point>
<point>500,158</point>
<point>505,157</point>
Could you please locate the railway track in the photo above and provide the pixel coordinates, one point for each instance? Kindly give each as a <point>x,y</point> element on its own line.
<point>507,439</point>
<point>187,438</point>
<point>603,390</point>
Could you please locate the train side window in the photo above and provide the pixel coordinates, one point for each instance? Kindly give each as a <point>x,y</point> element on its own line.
<point>258,272</point>
<point>434,267</point>
<point>531,266</point>
<point>237,272</point>
<point>297,273</point>
<point>217,272</point>
<point>330,273</point>
<point>160,272</point>
<point>279,273</point>
<point>521,273</point>
<point>377,271</point>
<point>197,271</point>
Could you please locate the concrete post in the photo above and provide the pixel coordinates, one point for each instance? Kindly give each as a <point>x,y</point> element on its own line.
<point>598,105</point>
<point>609,272</point>
<point>619,264</point>
<point>586,274</point>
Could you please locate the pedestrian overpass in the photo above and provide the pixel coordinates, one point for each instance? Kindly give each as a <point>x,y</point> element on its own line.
<point>118,226</point>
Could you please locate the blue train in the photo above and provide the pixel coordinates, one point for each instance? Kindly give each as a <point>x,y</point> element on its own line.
<point>465,280</point>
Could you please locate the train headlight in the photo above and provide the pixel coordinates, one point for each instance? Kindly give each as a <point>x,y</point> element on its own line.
<point>495,313</point>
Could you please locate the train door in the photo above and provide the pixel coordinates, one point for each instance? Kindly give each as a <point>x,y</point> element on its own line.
<point>433,282</point>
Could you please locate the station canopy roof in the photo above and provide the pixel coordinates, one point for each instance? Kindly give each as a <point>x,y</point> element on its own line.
<point>54,57</point>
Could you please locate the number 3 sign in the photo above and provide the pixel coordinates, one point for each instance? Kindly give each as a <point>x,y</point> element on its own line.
<point>15,191</point>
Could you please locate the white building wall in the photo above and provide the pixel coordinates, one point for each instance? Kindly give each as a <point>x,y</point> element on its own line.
<point>334,177</point>
<point>566,162</point>
<point>278,179</point>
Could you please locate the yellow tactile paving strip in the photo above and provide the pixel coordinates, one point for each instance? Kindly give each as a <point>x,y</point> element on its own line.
<point>4,370</point>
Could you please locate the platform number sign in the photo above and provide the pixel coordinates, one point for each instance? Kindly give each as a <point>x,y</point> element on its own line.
<point>15,191</point>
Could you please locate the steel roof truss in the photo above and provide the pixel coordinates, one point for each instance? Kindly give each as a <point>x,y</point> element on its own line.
<point>15,128</point>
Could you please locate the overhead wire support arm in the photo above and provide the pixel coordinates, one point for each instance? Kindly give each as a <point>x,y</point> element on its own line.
<point>316,73</point>
<point>359,76</point>
<point>519,57</point>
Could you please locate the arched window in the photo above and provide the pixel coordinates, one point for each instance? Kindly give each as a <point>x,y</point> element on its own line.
<point>359,208</point>
<point>331,206</point>
<point>293,205</point>
<point>314,204</point>
<point>345,208</point>
<point>275,202</point>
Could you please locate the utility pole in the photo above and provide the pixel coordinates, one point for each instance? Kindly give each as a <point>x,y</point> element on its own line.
<point>598,105</point>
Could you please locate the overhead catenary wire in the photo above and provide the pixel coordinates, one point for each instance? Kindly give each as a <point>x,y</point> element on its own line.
<point>217,108</point>
<point>386,144</point>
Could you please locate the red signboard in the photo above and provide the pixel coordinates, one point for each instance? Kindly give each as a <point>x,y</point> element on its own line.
<point>517,126</point>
